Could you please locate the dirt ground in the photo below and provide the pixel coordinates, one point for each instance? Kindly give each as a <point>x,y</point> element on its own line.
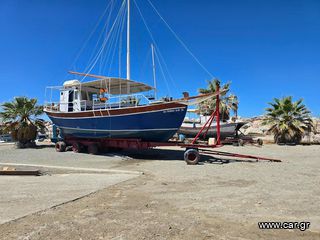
<point>214,200</point>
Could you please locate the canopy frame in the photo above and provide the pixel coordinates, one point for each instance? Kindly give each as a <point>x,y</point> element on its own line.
<point>115,86</point>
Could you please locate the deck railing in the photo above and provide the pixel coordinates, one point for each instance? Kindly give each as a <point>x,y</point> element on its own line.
<point>99,104</point>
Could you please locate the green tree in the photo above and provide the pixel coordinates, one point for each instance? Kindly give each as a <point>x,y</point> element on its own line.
<point>20,118</point>
<point>228,102</point>
<point>288,120</point>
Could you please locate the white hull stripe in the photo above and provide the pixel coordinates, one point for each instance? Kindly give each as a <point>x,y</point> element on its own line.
<point>120,115</point>
<point>124,130</point>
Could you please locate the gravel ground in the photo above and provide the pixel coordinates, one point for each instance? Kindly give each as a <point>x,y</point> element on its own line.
<point>217,200</point>
<point>24,195</point>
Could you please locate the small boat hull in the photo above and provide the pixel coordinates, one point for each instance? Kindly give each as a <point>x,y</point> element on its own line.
<point>148,123</point>
<point>226,130</point>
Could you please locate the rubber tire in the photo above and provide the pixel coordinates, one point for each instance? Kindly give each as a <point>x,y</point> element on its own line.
<point>76,147</point>
<point>260,141</point>
<point>93,149</point>
<point>60,146</point>
<point>191,156</point>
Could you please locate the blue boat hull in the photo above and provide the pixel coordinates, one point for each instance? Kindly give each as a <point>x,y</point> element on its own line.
<point>159,125</point>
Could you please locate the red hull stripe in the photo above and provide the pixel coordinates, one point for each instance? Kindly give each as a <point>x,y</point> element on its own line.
<point>119,111</point>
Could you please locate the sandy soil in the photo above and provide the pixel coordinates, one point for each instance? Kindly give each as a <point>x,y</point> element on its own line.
<point>216,200</point>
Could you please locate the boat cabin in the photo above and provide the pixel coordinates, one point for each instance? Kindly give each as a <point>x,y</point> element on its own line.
<point>103,93</point>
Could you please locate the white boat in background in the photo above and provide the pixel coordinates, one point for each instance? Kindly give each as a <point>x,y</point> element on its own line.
<point>191,126</point>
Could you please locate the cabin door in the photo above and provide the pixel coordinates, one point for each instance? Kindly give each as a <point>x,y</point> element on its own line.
<point>70,101</point>
<point>64,99</point>
<point>76,101</point>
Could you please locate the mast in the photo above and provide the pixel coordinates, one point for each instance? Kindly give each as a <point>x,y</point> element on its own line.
<point>154,72</point>
<point>128,40</point>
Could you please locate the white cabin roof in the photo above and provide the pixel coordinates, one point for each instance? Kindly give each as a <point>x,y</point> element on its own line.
<point>71,83</point>
<point>116,86</point>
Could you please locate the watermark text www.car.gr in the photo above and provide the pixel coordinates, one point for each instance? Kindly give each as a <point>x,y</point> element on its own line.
<point>302,226</point>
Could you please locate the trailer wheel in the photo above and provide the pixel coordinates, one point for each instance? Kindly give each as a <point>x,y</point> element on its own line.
<point>235,144</point>
<point>76,147</point>
<point>191,156</point>
<point>60,146</point>
<point>241,142</point>
<point>260,142</point>
<point>93,149</point>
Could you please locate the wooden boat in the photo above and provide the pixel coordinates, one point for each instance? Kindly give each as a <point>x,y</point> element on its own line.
<point>109,107</point>
<point>80,113</point>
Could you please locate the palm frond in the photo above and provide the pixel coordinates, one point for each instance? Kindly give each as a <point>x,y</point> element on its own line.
<point>289,120</point>
<point>20,117</point>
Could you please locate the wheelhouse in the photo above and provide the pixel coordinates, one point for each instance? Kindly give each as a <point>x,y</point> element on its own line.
<point>104,93</point>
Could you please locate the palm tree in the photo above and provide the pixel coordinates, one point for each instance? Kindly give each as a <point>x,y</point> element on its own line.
<point>288,120</point>
<point>20,118</point>
<point>227,102</point>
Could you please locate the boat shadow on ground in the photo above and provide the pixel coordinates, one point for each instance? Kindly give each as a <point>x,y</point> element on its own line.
<point>172,155</point>
<point>160,155</point>
<point>42,146</point>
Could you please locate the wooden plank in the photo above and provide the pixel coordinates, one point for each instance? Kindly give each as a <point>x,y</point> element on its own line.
<point>20,172</point>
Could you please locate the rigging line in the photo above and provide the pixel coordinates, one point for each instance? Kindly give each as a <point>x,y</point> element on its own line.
<point>120,41</point>
<point>142,69</point>
<point>117,33</point>
<point>114,47</point>
<point>104,28</point>
<point>112,39</point>
<point>180,40</point>
<point>72,66</point>
<point>90,35</point>
<point>113,43</point>
<point>104,43</point>
<point>104,31</point>
<point>108,50</point>
<point>103,46</point>
<point>164,77</point>
<point>165,66</point>
<point>154,41</point>
<point>144,22</point>
<point>108,35</point>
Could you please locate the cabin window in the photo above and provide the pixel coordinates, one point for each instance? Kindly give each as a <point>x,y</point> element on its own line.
<point>95,97</point>
<point>76,95</point>
<point>84,96</point>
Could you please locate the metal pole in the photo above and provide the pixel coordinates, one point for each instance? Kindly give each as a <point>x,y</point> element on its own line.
<point>154,72</point>
<point>218,112</point>
<point>128,44</point>
<point>203,127</point>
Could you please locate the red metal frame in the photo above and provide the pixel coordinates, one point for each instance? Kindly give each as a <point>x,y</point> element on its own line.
<point>228,154</point>
<point>216,114</point>
<point>138,144</point>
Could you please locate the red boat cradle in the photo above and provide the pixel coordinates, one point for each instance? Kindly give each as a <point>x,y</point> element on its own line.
<point>191,155</point>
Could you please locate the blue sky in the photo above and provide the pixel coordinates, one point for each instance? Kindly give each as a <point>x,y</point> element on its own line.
<point>265,48</point>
